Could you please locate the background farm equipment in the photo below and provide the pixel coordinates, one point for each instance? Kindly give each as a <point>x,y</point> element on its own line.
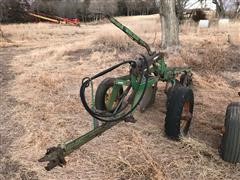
<point>55,19</point>
<point>116,99</point>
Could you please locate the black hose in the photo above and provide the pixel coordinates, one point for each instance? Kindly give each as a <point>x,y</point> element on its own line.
<point>86,82</point>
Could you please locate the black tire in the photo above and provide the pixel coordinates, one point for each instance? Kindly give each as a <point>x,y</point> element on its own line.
<point>230,147</point>
<point>102,89</point>
<point>186,80</point>
<point>169,90</point>
<point>180,101</point>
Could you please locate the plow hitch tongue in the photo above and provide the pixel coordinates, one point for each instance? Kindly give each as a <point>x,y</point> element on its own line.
<point>54,157</point>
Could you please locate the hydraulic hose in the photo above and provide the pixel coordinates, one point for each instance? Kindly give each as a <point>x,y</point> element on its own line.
<point>112,118</point>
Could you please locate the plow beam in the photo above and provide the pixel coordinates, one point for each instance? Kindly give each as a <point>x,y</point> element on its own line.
<point>55,156</point>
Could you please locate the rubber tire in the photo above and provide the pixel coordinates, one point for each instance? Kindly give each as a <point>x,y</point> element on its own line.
<point>177,85</point>
<point>101,92</point>
<point>186,80</point>
<point>230,147</point>
<point>176,100</point>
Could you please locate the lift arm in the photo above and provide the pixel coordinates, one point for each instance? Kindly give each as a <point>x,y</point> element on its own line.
<point>131,34</point>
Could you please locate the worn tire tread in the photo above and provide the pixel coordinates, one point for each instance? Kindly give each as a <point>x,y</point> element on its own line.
<point>176,99</point>
<point>230,147</point>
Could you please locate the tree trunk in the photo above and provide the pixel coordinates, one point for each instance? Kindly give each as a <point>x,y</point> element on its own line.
<point>169,24</point>
<point>220,10</point>
<point>237,11</point>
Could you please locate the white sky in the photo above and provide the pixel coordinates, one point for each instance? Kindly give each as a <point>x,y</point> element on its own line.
<point>209,4</point>
<point>227,3</point>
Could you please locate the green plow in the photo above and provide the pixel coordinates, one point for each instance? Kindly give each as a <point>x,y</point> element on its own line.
<point>116,99</point>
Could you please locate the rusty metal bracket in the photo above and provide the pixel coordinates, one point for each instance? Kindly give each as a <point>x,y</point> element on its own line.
<point>54,157</point>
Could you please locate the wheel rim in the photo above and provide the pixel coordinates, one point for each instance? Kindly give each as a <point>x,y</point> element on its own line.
<point>107,98</point>
<point>185,119</point>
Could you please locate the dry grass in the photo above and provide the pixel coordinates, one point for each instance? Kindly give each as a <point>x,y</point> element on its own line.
<point>147,29</point>
<point>210,57</point>
<point>119,42</point>
<point>52,60</point>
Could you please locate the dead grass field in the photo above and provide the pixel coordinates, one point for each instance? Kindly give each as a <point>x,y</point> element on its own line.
<point>49,61</point>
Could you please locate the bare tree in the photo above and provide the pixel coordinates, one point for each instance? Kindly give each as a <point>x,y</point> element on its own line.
<point>45,6</point>
<point>180,7</point>
<point>137,7</point>
<point>101,6</point>
<point>237,9</point>
<point>169,24</point>
<point>2,9</point>
<point>220,10</point>
<point>13,11</point>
